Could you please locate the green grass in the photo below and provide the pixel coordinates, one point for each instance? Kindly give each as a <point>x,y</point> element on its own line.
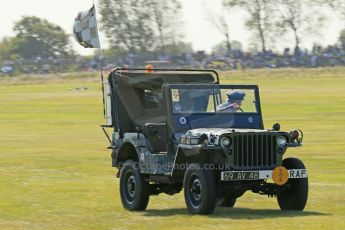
<point>55,172</point>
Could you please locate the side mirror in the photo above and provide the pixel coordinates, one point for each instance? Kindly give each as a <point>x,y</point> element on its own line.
<point>276,127</point>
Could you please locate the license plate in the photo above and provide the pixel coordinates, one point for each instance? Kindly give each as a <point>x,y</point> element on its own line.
<point>248,175</point>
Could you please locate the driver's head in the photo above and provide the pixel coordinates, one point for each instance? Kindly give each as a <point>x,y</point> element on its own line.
<point>236,97</point>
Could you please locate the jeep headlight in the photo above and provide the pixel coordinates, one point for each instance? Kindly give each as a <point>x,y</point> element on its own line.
<point>225,142</point>
<point>281,141</point>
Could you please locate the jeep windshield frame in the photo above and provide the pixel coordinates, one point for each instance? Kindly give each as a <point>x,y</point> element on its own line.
<point>185,120</point>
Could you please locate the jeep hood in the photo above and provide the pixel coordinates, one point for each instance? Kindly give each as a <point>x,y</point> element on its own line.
<point>221,131</point>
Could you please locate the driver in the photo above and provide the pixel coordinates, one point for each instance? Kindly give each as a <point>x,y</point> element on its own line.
<point>234,102</point>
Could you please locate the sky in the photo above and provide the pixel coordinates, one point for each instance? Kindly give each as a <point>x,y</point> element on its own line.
<point>196,18</point>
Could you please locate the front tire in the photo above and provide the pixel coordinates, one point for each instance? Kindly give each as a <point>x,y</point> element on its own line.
<point>199,190</point>
<point>134,190</point>
<point>295,195</point>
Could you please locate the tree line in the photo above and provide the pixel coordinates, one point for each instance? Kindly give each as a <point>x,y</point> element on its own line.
<point>139,26</point>
<point>269,20</point>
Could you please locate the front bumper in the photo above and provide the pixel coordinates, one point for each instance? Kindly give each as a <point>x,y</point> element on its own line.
<point>280,173</point>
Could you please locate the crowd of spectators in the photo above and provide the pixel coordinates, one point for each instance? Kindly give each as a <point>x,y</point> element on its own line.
<point>237,59</point>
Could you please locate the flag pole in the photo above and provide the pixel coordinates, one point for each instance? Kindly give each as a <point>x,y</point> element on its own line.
<point>103,58</point>
<point>85,30</point>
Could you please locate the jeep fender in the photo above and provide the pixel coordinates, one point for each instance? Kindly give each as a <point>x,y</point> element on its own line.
<point>129,147</point>
<point>125,152</point>
<point>189,150</point>
<point>200,154</point>
<point>186,154</point>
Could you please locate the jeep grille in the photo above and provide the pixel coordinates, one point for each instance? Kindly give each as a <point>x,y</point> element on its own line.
<point>257,150</point>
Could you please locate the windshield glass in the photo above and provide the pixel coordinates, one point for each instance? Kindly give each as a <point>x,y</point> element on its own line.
<point>214,100</point>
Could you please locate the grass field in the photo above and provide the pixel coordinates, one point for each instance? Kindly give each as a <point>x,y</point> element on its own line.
<point>55,172</point>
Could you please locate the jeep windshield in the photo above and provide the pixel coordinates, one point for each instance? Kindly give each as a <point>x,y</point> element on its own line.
<point>206,100</point>
<point>206,105</point>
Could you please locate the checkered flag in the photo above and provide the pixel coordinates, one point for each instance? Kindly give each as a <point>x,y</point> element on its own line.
<point>85,29</point>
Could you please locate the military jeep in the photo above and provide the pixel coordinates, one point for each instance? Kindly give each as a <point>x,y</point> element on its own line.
<point>169,134</point>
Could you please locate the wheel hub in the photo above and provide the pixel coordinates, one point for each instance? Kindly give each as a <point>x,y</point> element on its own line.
<point>196,189</point>
<point>131,186</point>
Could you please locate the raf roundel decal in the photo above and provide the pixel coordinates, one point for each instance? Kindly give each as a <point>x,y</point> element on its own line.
<point>250,119</point>
<point>182,120</point>
<point>142,156</point>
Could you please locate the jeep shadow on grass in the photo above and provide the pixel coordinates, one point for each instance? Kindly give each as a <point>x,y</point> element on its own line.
<point>182,129</point>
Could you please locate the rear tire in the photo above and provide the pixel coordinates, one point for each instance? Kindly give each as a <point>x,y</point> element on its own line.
<point>199,190</point>
<point>296,194</point>
<point>134,190</point>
